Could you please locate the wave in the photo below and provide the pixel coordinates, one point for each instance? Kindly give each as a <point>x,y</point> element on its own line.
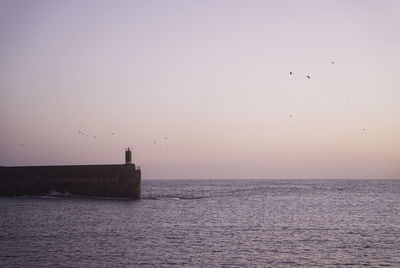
<point>54,193</point>
<point>173,197</point>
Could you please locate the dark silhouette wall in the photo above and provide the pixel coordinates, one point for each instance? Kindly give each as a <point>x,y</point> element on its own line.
<point>85,180</point>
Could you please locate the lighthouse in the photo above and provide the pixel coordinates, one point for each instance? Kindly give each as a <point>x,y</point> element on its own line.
<point>128,156</point>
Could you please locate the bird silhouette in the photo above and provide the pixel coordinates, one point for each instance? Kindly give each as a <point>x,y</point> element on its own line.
<point>290,73</point>
<point>308,77</point>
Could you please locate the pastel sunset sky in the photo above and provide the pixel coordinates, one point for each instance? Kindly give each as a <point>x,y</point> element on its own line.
<point>202,89</point>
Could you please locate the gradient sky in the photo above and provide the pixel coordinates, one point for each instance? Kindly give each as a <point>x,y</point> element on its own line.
<point>212,77</point>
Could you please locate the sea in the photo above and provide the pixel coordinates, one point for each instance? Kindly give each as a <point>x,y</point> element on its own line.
<point>209,223</point>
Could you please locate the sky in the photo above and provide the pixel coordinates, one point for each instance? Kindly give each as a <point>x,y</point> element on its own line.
<point>202,89</point>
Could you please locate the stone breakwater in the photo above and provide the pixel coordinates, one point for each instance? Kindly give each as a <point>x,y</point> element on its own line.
<point>123,181</point>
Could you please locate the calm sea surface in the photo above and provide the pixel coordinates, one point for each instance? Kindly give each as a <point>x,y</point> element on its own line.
<point>208,223</point>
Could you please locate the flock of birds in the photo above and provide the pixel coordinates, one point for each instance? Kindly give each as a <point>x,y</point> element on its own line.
<point>164,141</point>
<point>309,77</point>
<point>155,142</point>
<point>83,134</point>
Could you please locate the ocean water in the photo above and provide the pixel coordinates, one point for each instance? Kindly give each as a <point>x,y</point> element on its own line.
<point>209,223</point>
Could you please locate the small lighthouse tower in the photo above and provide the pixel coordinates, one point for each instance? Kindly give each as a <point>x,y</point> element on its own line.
<point>128,156</point>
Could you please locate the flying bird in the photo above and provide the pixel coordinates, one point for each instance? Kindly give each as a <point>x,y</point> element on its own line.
<point>290,73</point>
<point>308,77</point>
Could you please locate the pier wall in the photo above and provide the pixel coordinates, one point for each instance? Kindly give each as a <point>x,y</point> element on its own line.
<point>85,180</point>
